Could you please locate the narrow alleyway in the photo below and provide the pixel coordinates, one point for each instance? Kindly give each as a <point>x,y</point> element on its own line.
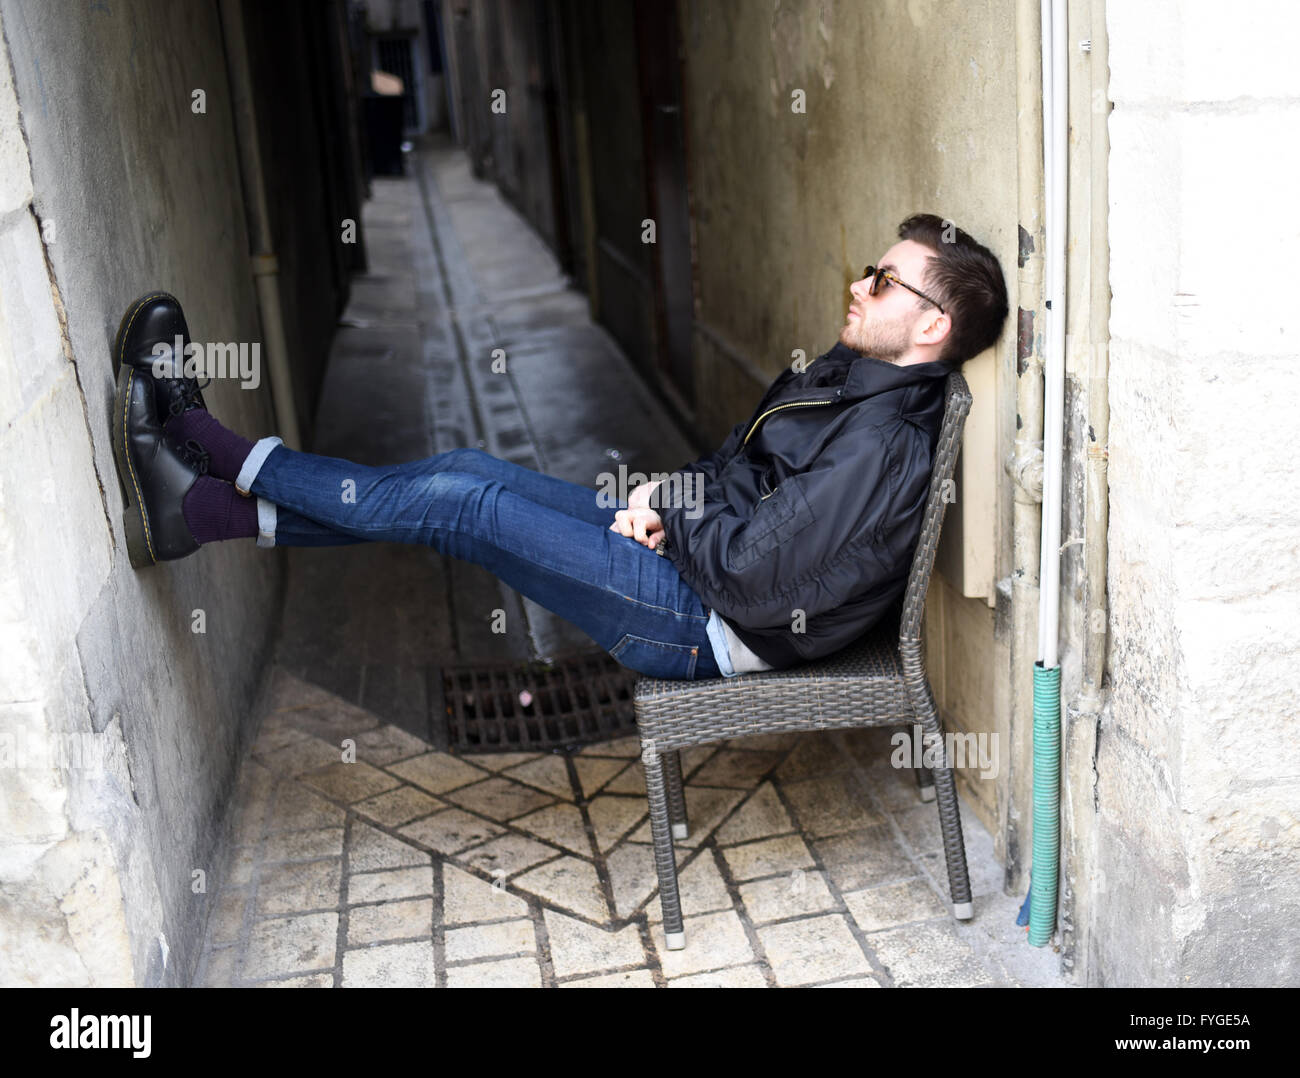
<point>811,861</point>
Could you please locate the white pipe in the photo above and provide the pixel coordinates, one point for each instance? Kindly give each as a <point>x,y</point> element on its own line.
<point>1055,149</point>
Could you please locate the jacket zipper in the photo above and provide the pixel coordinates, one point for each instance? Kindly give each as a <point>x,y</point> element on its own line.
<point>793,404</point>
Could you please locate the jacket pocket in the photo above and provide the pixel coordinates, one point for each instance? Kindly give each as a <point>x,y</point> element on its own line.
<point>777,518</point>
<point>655,658</point>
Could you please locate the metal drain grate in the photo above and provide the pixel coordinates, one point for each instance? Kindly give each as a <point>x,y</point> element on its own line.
<point>512,707</point>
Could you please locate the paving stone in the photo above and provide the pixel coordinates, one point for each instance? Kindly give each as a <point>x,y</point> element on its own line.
<point>633,877</point>
<point>390,921</point>
<point>830,805</point>
<point>387,743</point>
<point>386,886</point>
<point>624,747</point>
<point>768,857</point>
<point>561,824</point>
<point>219,969</point>
<point>547,773</point>
<point>283,945</point>
<point>490,941</point>
<point>713,941</point>
<point>894,904</point>
<point>801,892</point>
<point>631,780</point>
<point>761,816</point>
<point>894,787</point>
<point>507,856</point>
<point>812,950</point>
<point>613,817</point>
<point>852,982</point>
<point>392,965</point>
<point>506,973</point>
<point>450,831</point>
<point>370,849</point>
<point>499,761</point>
<point>569,883</point>
<point>776,742</point>
<point>437,772</point>
<point>310,980</point>
<point>288,888</point>
<point>227,921</point>
<point>700,888</point>
<point>735,767</point>
<point>349,782</point>
<point>306,754</point>
<point>814,755</point>
<point>399,806</point>
<point>466,899</point>
<point>297,808</point>
<point>308,845</point>
<point>632,978</point>
<point>239,866</point>
<point>732,977</point>
<point>706,808</point>
<point>865,858</point>
<point>929,956</point>
<point>274,734</point>
<point>595,771</point>
<point>499,798</point>
<point>577,947</point>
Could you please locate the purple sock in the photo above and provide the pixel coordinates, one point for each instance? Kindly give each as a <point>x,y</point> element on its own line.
<point>227,450</point>
<point>213,511</point>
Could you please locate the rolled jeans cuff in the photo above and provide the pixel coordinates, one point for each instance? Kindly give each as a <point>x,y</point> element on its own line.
<point>266,520</point>
<point>253,464</point>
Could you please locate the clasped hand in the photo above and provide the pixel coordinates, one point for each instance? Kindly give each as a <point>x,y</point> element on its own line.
<point>638,521</point>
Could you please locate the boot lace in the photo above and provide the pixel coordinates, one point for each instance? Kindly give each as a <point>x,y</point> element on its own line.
<point>193,454</point>
<point>183,394</point>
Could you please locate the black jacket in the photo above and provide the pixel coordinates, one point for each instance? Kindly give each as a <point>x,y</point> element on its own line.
<point>813,504</point>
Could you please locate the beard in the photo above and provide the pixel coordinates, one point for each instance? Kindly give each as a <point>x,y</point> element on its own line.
<point>881,340</point>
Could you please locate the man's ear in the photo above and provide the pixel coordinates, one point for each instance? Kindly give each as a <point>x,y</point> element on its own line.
<point>932,328</point>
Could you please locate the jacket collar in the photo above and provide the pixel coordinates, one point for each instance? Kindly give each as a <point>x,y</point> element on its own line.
<point>868,376</point>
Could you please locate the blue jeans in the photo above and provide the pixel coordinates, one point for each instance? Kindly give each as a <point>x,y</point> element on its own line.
<point>545,537</point>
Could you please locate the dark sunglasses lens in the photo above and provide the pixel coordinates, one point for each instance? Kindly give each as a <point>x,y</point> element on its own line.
<point>870,271</point>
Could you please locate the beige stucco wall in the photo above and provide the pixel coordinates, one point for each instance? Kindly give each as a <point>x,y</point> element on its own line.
<point>909,107</point>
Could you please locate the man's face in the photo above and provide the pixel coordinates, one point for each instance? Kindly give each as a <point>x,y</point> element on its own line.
<point>885,325</point>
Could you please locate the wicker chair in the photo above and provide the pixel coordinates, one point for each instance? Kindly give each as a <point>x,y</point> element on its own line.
<point>875,681</point>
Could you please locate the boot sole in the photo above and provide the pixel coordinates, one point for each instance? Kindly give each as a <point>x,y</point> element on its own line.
<point>135,518</point>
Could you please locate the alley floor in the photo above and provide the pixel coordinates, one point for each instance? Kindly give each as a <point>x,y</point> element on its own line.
<point>811,861</point>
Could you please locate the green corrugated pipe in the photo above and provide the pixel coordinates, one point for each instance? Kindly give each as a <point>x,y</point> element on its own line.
<point>1047,808</point>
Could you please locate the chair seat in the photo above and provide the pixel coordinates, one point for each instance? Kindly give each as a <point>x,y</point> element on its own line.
<point>859,685</point>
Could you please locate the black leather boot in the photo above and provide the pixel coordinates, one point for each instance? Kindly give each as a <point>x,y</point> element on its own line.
<point>153,319</point>
<point>155,473</point>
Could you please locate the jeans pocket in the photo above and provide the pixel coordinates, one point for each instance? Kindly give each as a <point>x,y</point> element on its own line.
<point>655,658</point>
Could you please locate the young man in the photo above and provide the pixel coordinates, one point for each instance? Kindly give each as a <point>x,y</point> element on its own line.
<point>810,515</point>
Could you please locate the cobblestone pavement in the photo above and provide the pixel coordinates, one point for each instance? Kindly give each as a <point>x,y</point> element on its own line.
<point>810,861</point>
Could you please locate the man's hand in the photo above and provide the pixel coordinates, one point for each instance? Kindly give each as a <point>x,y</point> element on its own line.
<point>641,524</point>
<point>640,498</point>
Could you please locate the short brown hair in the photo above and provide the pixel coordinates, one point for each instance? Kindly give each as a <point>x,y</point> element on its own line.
<point>966,278</point>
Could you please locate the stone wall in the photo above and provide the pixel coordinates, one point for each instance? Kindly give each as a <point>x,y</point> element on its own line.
<point>1197,761</point>
<point>110,186</point>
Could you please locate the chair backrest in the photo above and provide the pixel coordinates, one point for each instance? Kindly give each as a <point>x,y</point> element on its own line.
<point>957,402</point>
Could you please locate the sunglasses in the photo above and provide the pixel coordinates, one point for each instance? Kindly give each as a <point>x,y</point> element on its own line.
<point>880,279</point>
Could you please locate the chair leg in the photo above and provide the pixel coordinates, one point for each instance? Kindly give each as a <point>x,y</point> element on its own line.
<point>655,767</point>
<point>954,847</point>
<point>924,782</point>
<point>676,795</point>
